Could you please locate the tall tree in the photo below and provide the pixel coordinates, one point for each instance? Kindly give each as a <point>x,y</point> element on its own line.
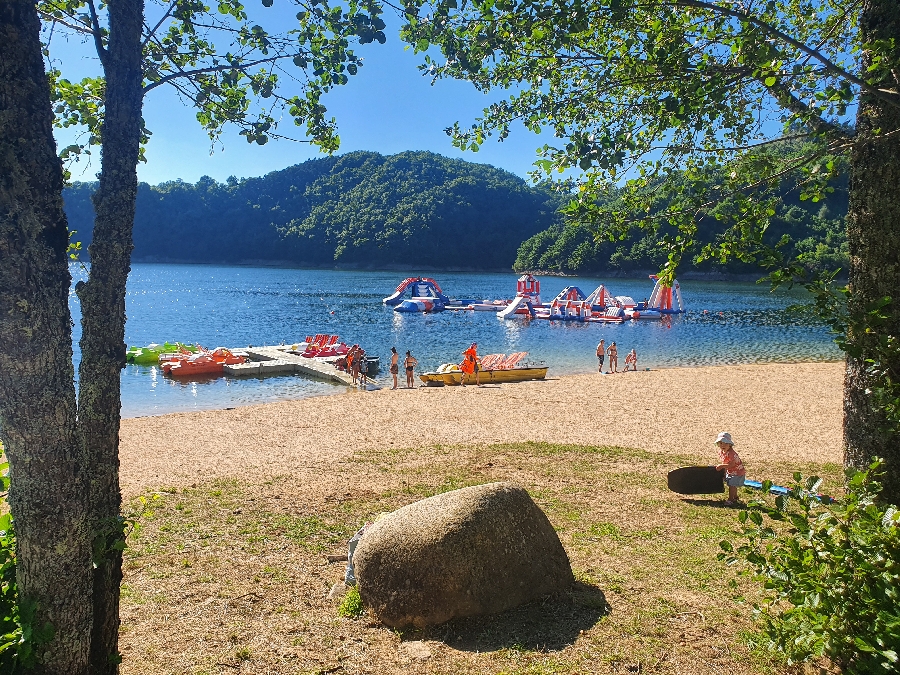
<point>697,110</point>
<point>37,393</point>
<point>55,448</point>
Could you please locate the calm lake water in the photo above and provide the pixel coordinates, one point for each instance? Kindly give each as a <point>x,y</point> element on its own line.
<point>238,306</point>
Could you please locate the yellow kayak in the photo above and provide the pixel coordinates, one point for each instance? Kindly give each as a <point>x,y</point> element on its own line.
<point>454,377</point>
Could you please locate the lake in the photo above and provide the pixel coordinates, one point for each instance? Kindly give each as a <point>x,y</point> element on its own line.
<point>240,306</point>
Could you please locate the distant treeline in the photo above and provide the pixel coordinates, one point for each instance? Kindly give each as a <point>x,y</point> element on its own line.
<point>413,209</point>
<point>817,233</point>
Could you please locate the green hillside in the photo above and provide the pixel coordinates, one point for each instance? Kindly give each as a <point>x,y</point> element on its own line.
<point>413,209</point>
<point>816,230</point>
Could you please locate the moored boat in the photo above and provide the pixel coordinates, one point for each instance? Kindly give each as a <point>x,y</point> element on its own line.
<point>149,355</point>
<point>495,368</point>
<point>206,363</point>
<point>454,377</point>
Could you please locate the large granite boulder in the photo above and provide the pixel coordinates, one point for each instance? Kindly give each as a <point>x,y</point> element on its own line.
<point>478,550</point>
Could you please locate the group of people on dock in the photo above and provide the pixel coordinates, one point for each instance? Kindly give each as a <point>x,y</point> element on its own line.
<point>409,364</point>
<point>612,351</point>
<point>357,364</point>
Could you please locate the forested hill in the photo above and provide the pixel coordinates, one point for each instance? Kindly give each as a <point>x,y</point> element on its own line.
<point>413,209</point>
<point>817,233</point>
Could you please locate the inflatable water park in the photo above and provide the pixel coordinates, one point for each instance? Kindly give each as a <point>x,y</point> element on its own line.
<point>423,294</point>
<point>602,306</point>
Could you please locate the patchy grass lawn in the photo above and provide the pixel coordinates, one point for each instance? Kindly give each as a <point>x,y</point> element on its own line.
<point>232,577</point>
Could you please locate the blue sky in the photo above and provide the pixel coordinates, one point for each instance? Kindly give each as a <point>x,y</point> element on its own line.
<point>388,107</point>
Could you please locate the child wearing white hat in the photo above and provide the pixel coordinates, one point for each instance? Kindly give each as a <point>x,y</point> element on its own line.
<point>731,464</point>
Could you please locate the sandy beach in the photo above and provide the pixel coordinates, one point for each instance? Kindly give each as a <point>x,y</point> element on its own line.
<point>776,412</point>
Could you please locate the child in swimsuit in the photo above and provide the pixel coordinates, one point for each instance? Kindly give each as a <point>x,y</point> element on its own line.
<point>363,368</point>
<point>731,464</point>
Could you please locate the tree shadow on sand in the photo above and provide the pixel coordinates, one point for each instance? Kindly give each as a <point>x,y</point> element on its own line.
<point>548,624</point>
<point>714,503</point>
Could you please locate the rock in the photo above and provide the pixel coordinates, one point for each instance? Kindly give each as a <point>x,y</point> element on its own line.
<point>415,650</point>
<point>479,550</point>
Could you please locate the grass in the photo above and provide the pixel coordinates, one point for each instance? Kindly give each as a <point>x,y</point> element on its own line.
<point>231,577</point>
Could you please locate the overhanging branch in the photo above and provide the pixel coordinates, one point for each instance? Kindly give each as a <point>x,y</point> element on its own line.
<point>98,35</point>
<point>210,69</point>
<point>889,97</point>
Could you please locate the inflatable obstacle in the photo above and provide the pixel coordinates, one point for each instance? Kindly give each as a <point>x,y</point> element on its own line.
<point>425,295</point>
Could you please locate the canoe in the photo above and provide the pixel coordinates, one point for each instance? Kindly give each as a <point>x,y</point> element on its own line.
<point>454,377</point>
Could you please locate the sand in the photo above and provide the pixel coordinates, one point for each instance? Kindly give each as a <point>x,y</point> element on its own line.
<point>775,412</point>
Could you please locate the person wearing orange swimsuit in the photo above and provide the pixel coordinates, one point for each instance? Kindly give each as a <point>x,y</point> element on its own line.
<point>470,364</point>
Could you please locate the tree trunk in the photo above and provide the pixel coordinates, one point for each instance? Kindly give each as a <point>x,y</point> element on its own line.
<point>103,318</point>
<point>873,234</point>
<point>37,394</point>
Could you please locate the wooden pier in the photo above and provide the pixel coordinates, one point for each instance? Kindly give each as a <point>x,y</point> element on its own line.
<point>277,361</point>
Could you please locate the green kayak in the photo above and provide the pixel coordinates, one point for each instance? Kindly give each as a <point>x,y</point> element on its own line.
<point>149,355</point>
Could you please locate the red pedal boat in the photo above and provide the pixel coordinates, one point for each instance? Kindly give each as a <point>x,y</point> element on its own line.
<point>207,363</point>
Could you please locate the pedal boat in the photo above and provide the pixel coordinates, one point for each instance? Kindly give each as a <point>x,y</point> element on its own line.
<point>496,368</point>
<point>207,363</point>
<point>454,377</point>
<point>149,355</point>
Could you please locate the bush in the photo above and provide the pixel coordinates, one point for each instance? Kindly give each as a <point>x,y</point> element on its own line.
<point>831,573</point>
<point>18,634</point>
<point>10,630</point>
<point>351,606</point>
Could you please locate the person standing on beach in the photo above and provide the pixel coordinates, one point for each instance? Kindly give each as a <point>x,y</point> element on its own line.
<point>410,362</point>
<point>395,368</point>
<point>613,352</point>
<point>469,365</point>
<point>601,355</point>
<point>731,464</point>
<point>631,360</point>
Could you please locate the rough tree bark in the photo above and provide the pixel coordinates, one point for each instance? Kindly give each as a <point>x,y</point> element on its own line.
<point>873,234</point>
<point>37,393</point>
<point>103,318</point>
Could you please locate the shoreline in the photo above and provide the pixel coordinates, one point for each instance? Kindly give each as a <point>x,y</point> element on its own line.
<point>674,411</point>
<point>384,381</point>
<point>685,275</point>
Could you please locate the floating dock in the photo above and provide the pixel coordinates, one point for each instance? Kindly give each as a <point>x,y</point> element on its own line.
<point>266,361</point>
